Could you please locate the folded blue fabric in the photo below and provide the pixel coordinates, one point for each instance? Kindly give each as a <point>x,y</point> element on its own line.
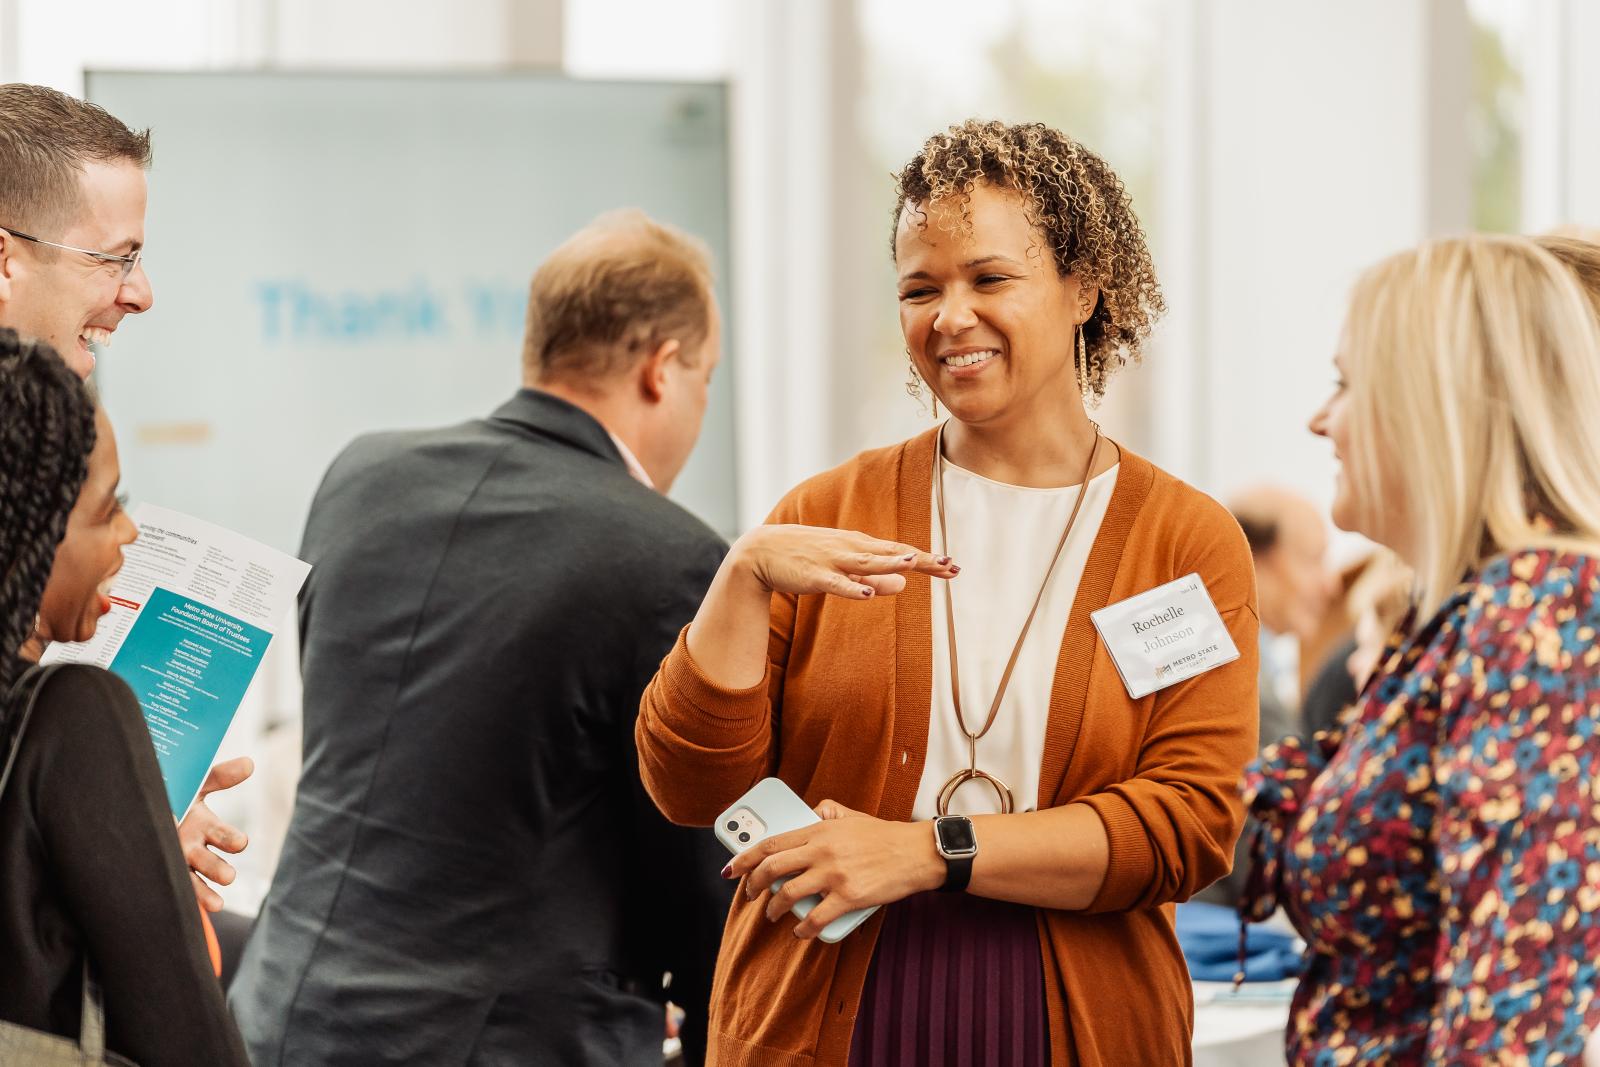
<point>1209,937</point>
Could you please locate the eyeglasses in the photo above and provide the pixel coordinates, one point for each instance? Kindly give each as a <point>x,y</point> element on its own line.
<point>126,263</point>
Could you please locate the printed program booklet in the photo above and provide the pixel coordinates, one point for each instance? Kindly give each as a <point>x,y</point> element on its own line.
<point>192,613</point>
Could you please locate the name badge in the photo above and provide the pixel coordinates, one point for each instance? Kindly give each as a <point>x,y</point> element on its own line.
<point>1165,635</point>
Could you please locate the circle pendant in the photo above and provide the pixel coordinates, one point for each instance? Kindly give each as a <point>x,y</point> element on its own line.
<point>972,774</point>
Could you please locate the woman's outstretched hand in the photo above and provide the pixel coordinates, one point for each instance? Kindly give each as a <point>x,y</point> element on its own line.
<point>728,639</point>
<point>843,563</point>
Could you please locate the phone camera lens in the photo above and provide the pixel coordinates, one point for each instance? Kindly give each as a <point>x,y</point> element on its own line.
<point>744,838</point>
<point>733,824</point>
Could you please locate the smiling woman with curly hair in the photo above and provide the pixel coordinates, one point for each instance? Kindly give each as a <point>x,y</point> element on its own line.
<point>1074,201</point>
<point>973,734</point>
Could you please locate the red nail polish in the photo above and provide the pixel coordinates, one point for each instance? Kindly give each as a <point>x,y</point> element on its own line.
<point>954,569</point>
<point>943,561</point>
<point>727,872</point>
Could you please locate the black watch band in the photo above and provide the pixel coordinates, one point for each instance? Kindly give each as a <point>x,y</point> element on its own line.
<point>958,845</point>
<point>957,874</point>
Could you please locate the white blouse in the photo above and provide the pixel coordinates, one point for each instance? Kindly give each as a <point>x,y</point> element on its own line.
<point>1003,537</point>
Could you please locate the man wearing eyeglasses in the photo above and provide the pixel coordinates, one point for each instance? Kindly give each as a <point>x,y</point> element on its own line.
<point>71,221</point>
<point>72,201</point>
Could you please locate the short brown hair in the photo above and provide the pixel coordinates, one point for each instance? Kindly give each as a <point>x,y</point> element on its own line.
<point>1074,199</point>
<point>46,137</point>
<point>612,292</point>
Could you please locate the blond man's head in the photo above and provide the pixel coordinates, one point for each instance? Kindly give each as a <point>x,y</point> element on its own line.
<point>623,322</point>
<point>613,293</point>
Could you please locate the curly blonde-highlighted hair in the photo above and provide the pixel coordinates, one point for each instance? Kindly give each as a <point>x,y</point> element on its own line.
<point>1075,201</point>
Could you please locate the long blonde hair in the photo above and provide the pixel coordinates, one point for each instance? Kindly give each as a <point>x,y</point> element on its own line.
<point>1475,402</point>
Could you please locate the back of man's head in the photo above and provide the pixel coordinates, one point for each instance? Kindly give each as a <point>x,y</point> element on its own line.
<point>46,138</point>
<point>611,294</point>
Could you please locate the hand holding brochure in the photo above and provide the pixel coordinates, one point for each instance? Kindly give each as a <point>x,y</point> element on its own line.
<point>192,612</point>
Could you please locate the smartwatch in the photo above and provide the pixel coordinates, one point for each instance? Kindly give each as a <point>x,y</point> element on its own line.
<point>957,843</point>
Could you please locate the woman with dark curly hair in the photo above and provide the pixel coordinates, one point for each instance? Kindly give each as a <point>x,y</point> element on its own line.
<point>94,884</point>
<point>923,713</point>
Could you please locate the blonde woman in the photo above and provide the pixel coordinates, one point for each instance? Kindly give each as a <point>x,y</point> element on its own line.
<point>1442,857</point>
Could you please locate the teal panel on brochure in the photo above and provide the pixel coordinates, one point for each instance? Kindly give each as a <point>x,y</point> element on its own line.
<point>189,666</point>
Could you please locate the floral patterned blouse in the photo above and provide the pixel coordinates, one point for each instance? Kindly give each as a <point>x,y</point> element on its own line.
<point>1440,852</point>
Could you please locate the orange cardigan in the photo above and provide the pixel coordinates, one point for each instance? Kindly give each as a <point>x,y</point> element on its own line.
<point>843,715</point>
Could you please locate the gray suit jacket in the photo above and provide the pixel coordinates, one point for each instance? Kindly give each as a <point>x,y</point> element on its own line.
<point>473,874</point>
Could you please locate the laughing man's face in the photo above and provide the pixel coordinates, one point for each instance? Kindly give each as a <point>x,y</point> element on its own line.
<point>68,299</point>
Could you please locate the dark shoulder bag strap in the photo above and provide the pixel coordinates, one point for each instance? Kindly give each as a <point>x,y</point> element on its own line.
<point>92,1027</point>
<point>20,711</point>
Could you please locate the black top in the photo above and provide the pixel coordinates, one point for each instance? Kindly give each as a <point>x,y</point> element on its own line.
<point>473,873</point>
<point>92,865</point>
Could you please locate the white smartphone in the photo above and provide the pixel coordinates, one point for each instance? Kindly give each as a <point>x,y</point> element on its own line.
<point>770,808</point>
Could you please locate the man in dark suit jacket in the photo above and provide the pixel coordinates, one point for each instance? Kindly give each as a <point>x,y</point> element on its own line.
<point>473,874</point>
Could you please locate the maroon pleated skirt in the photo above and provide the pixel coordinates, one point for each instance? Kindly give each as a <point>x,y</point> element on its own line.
<point>955,980</point>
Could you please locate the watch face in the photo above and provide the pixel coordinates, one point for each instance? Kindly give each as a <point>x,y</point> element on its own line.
<point>955,835</point>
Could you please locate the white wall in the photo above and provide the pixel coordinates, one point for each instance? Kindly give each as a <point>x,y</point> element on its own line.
<point>790,132</point>
<point>1300,153</point>
<point>684,39</point>
<point>51,42</point>
<point>1580,97</point>
<point>387,34</point>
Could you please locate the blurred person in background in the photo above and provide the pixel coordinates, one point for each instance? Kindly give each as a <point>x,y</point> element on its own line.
<point>1294,589</point>
<point>1436,850</point>
<point>72,207</point>
<point>1378,600</point>
<point>97,918</point>
<point>1379,594</point>
<point>827,654</point>
<point>473,874</point>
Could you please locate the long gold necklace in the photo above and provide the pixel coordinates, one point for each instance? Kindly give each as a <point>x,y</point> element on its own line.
<point>971,772</point>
